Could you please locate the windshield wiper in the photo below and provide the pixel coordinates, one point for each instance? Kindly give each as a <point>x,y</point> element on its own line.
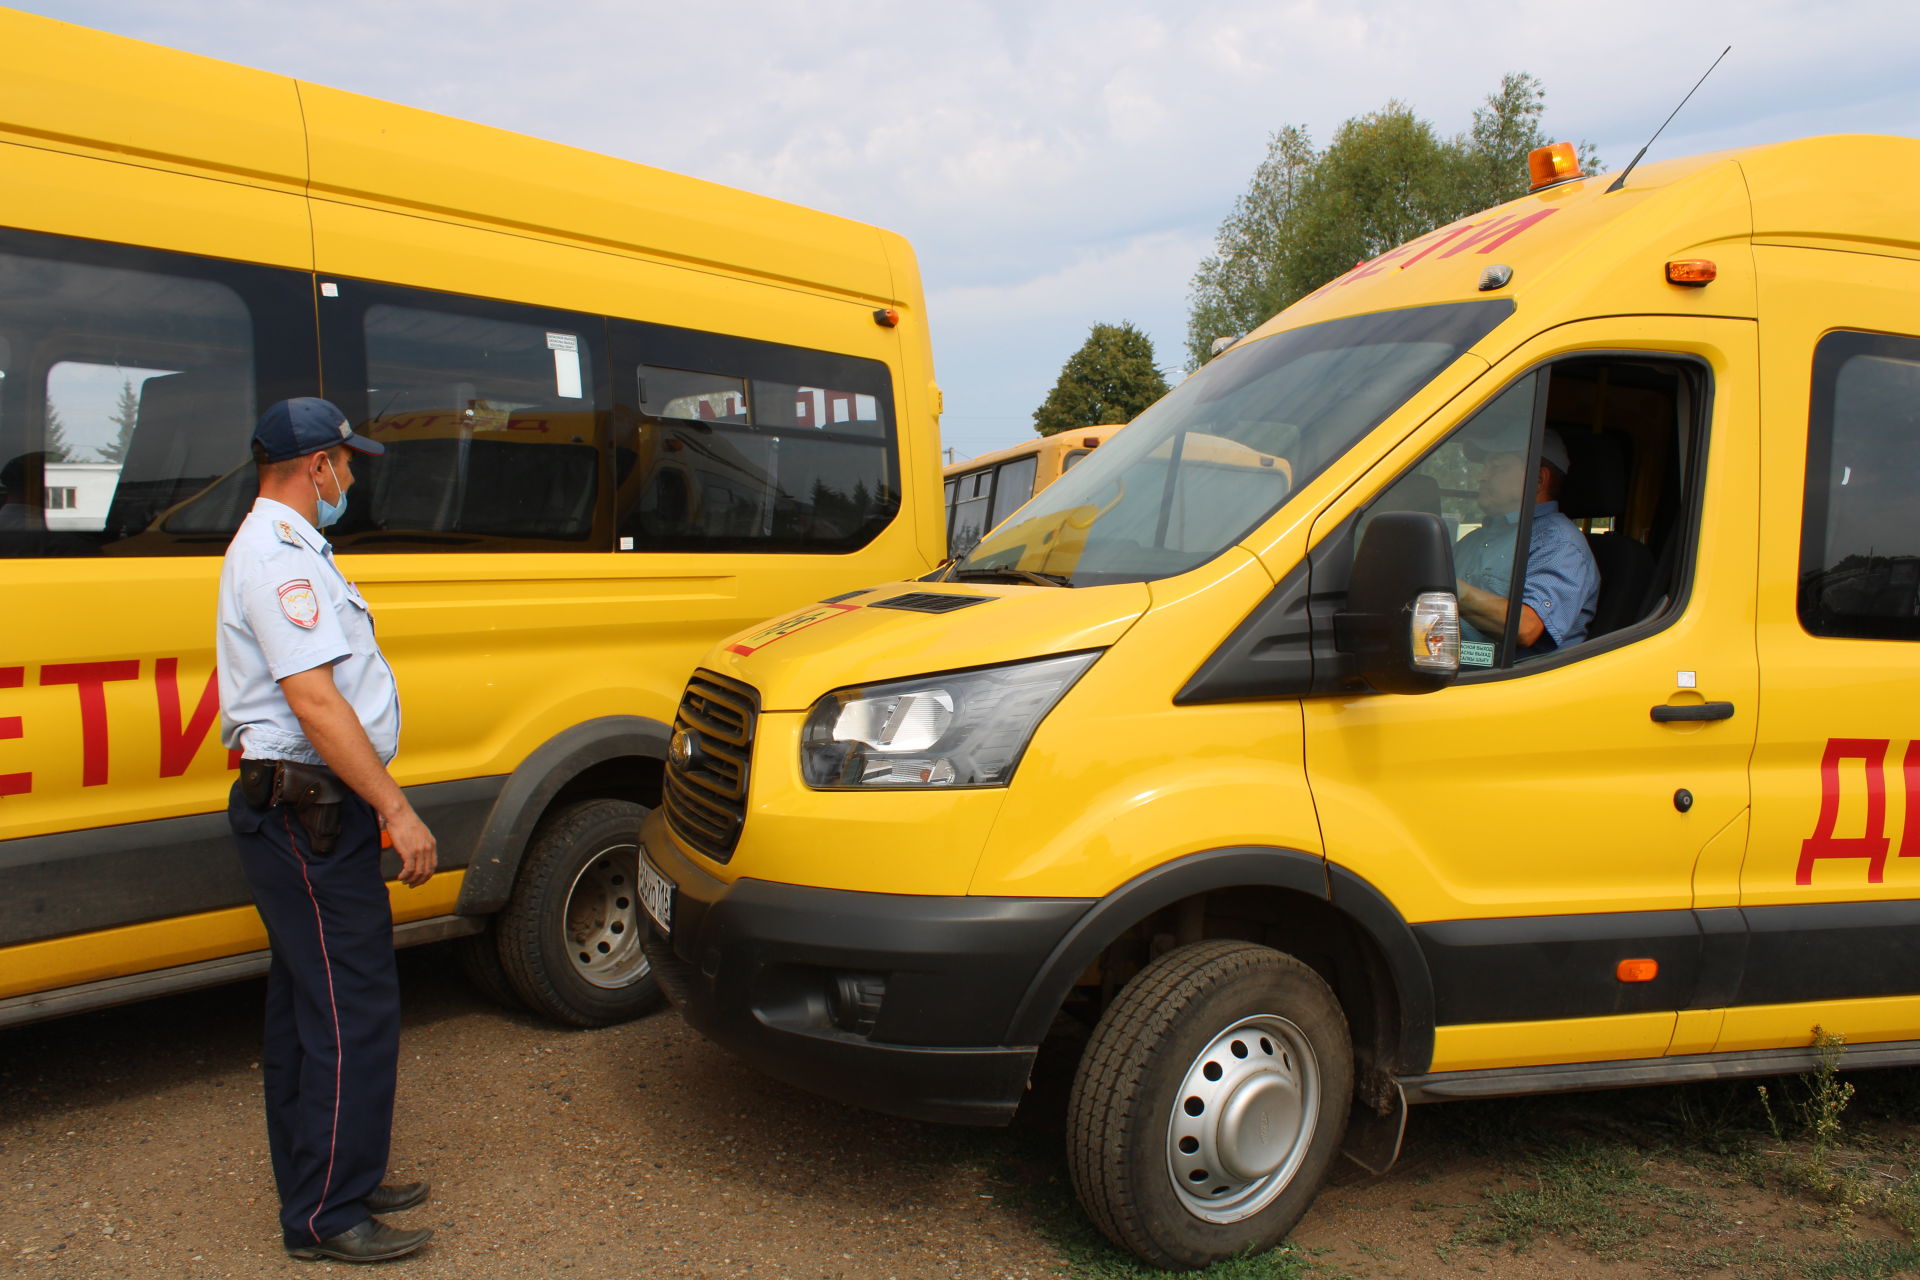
<point>1010,574</point>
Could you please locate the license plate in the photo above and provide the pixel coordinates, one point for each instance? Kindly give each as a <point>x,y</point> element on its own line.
<point>656,895</point>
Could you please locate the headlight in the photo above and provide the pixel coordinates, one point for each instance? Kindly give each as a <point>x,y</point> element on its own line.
<point>966,729</point>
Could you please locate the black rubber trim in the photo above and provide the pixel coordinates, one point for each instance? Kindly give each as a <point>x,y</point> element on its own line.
<point>1450,1086</point>
<point>1139,898</point>
<point>1831,951</point>
<point>105,877</point>
<point>753,965</point>
<point>529,789</point>
<point>1535,968</point>
<point>1367,907</point>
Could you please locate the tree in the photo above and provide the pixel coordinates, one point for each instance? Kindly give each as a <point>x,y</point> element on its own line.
<point>1386,177</point>
<point>55,443</point>
<point>1111,378</point>
<point>126,416</point>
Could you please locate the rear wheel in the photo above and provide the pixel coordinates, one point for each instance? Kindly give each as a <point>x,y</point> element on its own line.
<point>570,936</point>
<point>1209,1103</point>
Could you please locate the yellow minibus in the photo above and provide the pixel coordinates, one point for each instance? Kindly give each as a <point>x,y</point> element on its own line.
<point>1546,724</point>
<point>983,491</point>
<point>625,412</point>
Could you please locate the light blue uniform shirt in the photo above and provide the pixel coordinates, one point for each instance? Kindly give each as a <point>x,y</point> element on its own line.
<point>285,608</point>
<point>1562,582</point>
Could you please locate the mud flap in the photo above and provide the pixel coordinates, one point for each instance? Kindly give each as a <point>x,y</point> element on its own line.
<point>1376,1127</point>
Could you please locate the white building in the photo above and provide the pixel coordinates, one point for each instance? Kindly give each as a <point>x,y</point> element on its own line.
<point>78,494</point>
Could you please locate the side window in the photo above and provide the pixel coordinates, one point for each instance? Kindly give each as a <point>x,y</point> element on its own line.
<point>1475,481</point>
<point>489,415</point>
<point>1860,545</point>
<point>726,444</point>
<point>1571,498</point>
<point>971,509</point>
<point>1013,486</point>
<point>131,382</point>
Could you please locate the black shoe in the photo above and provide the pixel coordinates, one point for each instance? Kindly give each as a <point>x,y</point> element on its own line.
<point>370,1241</point>
<point>392,1197</point>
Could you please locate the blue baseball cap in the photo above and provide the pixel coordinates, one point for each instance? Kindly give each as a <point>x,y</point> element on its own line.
<point>307,424</point>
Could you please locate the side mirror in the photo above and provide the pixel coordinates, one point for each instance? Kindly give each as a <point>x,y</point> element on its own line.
<point>1402,620</point>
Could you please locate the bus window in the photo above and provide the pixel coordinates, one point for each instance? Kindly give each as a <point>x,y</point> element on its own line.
<point>148,392</point>
<point>487,411</point>
<point>970,512</point>
<point>1013,485</point>
<point>767,448</point>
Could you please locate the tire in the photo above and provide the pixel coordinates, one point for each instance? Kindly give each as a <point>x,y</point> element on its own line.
<point>1209,1104</point>
<point>479,955</point>
<point>570,935</point>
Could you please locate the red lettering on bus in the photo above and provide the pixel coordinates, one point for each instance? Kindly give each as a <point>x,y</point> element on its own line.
<point>1872,843</point>
<point>1491,235</point>
<point>91,678</point>
<point>178,745</point>
<point>13,784</point>
<point>1910,775</point>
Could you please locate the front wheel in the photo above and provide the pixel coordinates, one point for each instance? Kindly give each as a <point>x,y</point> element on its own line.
<point>1209,1103</point>
<point>570,936</point>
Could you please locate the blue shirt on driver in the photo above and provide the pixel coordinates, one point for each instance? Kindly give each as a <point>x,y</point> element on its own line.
<point>1562,581</point>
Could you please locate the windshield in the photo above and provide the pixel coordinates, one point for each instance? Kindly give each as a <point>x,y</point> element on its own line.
<point>1220,453</point>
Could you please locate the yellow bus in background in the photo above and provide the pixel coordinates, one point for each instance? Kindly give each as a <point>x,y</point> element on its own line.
<point>983,491</point>
<point>626,412</point>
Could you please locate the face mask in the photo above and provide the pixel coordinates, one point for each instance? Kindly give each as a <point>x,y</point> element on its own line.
<point>329,512</point>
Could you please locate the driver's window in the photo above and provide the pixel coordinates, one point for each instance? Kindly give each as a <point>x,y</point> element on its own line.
<point>1475,481</point>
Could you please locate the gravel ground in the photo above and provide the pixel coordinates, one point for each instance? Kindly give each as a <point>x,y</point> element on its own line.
<point>132,1144</point>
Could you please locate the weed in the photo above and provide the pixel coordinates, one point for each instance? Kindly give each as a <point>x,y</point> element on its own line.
<point>1576,1193</point>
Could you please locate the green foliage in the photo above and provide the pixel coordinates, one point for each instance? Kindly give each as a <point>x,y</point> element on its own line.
<point>1110,379</point>
<point>126,416</point>
<point>58,448</point>
<point>1386,177</point>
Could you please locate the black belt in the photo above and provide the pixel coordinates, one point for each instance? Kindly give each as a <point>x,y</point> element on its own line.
<point>312,792</point>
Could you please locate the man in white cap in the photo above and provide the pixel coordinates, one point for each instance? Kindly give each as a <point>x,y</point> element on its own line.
<point>1562,583</point>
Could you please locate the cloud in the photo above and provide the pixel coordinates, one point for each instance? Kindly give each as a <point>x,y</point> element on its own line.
<point>1021,143</point>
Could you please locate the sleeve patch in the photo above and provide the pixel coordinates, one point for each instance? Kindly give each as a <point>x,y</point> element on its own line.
<point>299,603</point>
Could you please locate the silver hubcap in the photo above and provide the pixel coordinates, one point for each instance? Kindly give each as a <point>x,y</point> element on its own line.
<point>1243,1119</point>
<point>602,923</point>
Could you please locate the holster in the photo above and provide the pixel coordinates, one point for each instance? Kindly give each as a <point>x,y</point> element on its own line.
<point>310,792</point>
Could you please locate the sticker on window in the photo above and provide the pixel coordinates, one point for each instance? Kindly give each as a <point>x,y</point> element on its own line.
<point>1476,653</point>
<point>566,365</point>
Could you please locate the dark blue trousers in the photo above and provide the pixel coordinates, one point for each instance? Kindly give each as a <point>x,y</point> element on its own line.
<point>332,1041</point>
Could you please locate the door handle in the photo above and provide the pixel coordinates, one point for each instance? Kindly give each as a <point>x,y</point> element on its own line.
<point>1666,713</point>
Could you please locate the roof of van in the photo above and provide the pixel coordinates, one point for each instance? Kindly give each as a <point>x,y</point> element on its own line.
<point>1577,249</point>
<point>1069,439</point>
<point>74,89</point>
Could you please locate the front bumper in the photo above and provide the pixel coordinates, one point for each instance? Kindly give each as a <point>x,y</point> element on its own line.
<point>894,1002</point>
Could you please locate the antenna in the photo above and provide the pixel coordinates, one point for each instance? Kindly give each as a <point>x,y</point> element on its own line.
<point>1622,179</point>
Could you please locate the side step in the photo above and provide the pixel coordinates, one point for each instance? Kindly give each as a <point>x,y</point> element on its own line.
<point>39,1005</point>
<point>1573,1077</point>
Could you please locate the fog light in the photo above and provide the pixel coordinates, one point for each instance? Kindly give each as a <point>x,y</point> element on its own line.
<point>857,998</point>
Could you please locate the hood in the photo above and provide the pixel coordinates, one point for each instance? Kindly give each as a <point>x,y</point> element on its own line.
<point>911,628</point>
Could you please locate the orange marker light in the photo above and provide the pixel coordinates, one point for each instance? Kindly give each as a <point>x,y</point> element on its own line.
<point>1637,970</point>
<point>1692,272</point>
<point>1090,442</point>
<point>1553,163</point>
<point>886,317</point>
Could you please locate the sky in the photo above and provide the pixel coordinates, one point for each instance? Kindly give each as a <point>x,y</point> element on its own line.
<point>1056,163</point>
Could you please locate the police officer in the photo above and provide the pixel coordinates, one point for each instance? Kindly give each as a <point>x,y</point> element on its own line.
<point>310,702</point>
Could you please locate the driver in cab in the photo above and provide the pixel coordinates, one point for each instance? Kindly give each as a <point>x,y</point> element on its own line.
<point>1562,583</point>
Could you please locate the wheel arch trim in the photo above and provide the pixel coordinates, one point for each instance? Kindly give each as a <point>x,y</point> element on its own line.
<point>1371,913</point>
<point>530,790</point>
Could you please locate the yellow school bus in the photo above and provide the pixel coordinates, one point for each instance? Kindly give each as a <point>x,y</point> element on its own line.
<point>626,412</point>
<point>1547,724</point>
<point>983,491</point>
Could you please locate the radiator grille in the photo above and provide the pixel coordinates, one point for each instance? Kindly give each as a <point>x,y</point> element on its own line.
<point>706,791</point>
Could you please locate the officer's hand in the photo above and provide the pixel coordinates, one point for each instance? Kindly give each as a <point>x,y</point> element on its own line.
<point>419,852</point>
